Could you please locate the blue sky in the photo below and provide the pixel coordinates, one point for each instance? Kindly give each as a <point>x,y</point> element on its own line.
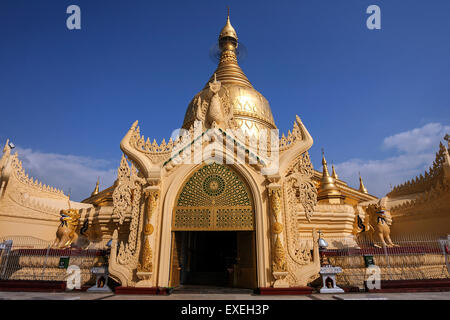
<point>377,101</point>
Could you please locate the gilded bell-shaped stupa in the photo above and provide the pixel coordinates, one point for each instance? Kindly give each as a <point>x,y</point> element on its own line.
<point>243,106</point>
<point>328,191</point>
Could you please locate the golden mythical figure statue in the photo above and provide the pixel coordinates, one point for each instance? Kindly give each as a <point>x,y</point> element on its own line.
<point>377,226</point>
<point>66,234</point>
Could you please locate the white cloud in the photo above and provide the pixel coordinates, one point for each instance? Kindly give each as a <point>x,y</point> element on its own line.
<point>418,139</point>
<point>417,149</point>
<point>378,175</point>
<point>79,174</point>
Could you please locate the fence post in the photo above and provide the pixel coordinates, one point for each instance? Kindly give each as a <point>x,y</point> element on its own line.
<point>445,246</point>
<point>387,261</point>
<point>45,262</point>
<point>7,245</point>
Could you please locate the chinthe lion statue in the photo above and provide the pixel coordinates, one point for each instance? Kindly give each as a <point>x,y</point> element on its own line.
<point>67,234</point>
<point>377,227</point>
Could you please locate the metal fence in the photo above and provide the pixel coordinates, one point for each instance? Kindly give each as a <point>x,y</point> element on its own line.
<point>28,258</point>
<point>414,257</point>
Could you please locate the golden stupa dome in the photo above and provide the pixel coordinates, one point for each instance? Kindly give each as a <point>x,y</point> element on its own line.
<point>251,111</point>
<point>327,188</point>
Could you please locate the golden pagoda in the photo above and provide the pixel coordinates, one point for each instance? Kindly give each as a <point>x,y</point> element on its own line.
<point>244,106</point>
<point>180,206</point>
<point>328,191</point>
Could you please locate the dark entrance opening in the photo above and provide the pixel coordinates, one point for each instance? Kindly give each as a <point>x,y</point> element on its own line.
<point>208,257</point>
<point>214,258</point>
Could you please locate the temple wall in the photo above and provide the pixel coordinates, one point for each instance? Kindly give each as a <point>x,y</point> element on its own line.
<point>17,226</point>
<point>399,267</point>
<point>429,216</point>
<point>421,224</point>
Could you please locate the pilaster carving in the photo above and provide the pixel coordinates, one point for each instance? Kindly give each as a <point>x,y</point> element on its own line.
<point>128,200</point>
<point>300,199</point>
<point>279,266</point>
<point>145,267</point>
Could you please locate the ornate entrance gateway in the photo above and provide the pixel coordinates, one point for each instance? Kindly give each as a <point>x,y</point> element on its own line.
<point>213,239</point>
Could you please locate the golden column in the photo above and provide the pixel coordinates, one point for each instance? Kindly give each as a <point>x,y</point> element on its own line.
<point>279,264</point>
<point>145,267</point>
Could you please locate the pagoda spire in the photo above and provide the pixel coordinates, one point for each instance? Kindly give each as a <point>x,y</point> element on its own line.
<point>333,173</point>
<point>325,166</point>
<point>362,188</point>
<point>228,70</point>
<point>96,190</point>
<point>68,198</point>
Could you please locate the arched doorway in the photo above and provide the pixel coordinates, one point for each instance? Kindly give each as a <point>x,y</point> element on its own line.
<point>213,230</point>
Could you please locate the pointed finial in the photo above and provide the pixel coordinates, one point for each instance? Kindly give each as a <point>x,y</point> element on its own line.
<point>68,197</point>
<point>324,162</point>
<point>362,188</point>
<point>228,30</point>
<point>96,190</point>
<point>333,172</point>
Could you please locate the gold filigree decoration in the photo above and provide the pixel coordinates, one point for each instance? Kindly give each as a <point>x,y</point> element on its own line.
<point>275,199</point>
<point>195,193</point>
<point>234,219</point>
<point>277,228</point>
<point>278,252</point>
<point>146,265</point>
<point>192,219</point>
<point>301,198</point>
<point>148,230</point>
<point>279,257</point>
<point>214,198</point>
<point>301,190</point>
